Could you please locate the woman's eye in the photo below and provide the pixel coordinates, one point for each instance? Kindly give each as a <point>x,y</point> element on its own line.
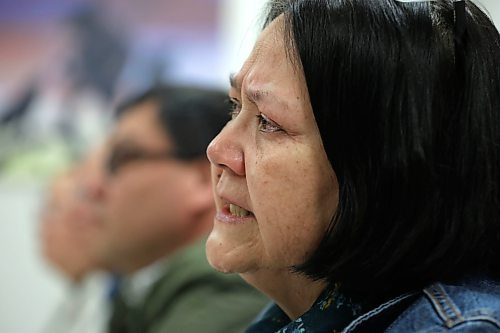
<point>234,107</point>
<point>267,125</point>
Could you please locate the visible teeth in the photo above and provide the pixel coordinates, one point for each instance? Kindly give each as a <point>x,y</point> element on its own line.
<point>238,211</point>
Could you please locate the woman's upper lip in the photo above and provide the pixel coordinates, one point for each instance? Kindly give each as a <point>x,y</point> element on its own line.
<point>229,193</point>
<point>226,200</point>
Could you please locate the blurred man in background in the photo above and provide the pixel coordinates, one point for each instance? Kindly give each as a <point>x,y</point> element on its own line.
<point>140,207</point>
<point>157,208</point>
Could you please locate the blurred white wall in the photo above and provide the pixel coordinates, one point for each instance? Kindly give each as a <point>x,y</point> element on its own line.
<point>29,289</point>
<point>239,26</point>
<point>493,7</point>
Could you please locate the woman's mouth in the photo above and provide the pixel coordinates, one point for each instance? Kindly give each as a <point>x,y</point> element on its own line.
<point>238,211</point>
<point>233,214</point>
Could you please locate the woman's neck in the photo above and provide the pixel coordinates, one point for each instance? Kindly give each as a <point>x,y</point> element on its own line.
<point>294,293</point>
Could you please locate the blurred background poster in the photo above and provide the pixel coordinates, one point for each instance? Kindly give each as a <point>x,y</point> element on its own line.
<point>64,65</point>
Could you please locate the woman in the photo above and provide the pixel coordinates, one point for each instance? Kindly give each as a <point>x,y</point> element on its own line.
<point>357,183</point>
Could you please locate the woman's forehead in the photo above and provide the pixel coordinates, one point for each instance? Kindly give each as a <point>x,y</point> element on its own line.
<point>268,49</point>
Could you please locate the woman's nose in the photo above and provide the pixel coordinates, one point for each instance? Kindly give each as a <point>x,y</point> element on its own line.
<point>225,152</point>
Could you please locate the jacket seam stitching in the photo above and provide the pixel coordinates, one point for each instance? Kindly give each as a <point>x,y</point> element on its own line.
<point>375,311</point>
<point>485,318</point>
<point>438,295</point>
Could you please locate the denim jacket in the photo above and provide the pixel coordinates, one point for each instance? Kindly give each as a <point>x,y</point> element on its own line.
<point>472,305</point>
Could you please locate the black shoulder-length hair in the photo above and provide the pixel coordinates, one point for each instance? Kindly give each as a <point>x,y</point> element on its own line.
<point>410,120</point>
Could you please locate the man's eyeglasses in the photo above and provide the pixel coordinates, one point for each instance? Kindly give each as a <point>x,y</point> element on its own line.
<point>119,157</point>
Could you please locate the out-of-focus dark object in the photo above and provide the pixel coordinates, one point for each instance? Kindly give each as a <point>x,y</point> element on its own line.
<point>20,107</point>
<point>100,53</point>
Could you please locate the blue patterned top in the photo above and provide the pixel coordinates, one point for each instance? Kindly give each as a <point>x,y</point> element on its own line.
<point>331,313</point>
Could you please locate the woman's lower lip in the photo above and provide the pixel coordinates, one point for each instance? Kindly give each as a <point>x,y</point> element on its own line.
<point>226,217</point>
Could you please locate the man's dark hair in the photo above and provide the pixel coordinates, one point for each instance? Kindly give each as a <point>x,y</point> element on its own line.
<point>190,116</point>
<point>412,134</point>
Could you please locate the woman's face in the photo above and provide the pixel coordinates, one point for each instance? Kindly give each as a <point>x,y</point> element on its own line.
<point>275,190</point>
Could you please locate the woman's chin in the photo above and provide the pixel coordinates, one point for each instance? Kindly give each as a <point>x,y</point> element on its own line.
<point>219,265</point>
<point>226,258</point>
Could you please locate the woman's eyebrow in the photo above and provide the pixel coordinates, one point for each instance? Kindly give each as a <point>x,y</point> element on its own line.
<point>254,94</point>
<point>266,100</point>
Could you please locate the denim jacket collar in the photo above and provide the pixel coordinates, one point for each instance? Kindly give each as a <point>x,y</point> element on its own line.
<point>472,304</point>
